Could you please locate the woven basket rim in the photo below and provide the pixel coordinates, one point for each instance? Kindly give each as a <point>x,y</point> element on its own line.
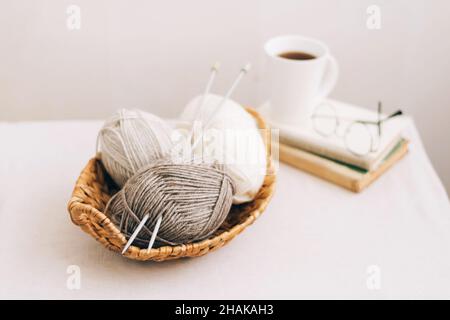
<point>98,225</point>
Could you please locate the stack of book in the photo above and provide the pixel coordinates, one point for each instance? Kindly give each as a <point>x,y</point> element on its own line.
<point>329,157</point>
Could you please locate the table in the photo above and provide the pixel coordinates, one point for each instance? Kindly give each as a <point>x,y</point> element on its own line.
<point>315,240</point>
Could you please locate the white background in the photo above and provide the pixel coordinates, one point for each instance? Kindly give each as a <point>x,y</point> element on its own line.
<point>155,55</point>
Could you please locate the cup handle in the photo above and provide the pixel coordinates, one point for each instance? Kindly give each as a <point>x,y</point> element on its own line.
<point>329,78</point>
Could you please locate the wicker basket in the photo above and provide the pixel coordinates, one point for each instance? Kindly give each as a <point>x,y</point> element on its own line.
<point>94,188</point>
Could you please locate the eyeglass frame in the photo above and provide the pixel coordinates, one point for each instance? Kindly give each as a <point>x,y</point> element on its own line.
<point>366,123</point>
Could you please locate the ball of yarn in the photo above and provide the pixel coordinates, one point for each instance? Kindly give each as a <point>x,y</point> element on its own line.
<point>130,140</point>
<point>230,115</point>
<point>192,199</point>
<point>242,151</point>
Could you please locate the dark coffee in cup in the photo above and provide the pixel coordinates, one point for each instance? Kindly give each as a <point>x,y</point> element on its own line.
<point>296,55</point>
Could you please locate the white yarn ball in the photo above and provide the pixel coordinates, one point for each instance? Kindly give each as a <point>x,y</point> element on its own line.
<point>131,139</point>
<point>231,138</point>
<point>231,115</point>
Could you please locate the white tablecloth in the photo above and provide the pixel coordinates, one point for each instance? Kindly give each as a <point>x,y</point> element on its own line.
<point>315,240</point>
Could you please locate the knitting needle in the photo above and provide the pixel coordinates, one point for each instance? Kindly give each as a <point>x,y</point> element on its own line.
<point>135,233</point>
<point>212,77</point>
<point>138,229</point>
<point>154,233</point>
<point>201,102</point>
<point>241,74</point>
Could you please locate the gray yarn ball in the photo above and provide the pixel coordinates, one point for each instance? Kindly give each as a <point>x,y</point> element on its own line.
<point>130,140</point>
<point>193,200</point>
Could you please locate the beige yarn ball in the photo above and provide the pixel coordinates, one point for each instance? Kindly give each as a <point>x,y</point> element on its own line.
<point>193,200</point>
<point>130,140</point>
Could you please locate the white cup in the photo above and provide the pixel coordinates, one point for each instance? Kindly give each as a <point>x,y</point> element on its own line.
<point>297,86</point>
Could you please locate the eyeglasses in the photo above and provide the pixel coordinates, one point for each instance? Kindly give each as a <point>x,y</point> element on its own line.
<point>359,136</point>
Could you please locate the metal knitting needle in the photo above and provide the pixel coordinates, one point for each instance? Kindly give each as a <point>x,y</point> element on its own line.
<point>212,77</point>
<point>155,232</point>
<point>135,233</point>
<point>139,228</point>
<point>241,74</point>
<point>201,102</point>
